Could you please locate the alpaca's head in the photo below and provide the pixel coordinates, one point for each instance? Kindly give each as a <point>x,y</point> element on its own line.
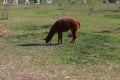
<point>48,41</point>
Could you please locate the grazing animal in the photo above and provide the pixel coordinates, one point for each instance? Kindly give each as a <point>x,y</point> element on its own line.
<point>63,25</point>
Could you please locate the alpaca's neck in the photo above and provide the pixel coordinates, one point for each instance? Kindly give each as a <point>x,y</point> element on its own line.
<point>50,34</point>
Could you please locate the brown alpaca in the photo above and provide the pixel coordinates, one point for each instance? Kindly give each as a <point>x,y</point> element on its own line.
<point>63,25</point>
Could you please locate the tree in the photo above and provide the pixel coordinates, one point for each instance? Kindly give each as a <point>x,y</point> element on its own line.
<point>84,1</point>
<point>5,12</point>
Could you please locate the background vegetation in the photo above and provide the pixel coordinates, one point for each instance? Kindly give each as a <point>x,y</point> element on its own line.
<point>95,55</point>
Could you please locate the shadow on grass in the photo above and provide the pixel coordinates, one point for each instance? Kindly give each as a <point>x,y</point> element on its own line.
<point>36,44</point>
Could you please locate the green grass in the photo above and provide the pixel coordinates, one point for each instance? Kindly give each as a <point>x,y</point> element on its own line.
<point>95,55</point>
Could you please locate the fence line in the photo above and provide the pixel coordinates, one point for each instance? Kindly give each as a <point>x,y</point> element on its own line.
<point>89,8</point>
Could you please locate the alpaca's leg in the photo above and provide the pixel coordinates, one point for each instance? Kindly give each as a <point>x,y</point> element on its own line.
<point>74,33</point>
<point>74,39</point>
<point>59,37</point>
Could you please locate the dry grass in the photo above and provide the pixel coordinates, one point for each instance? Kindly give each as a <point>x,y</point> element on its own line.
<point>20,68</point>
<point>3,31</point>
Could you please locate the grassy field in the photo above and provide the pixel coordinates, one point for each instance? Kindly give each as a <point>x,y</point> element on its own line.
<point>94,56</point>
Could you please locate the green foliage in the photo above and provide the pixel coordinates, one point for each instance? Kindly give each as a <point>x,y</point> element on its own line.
<point>112,16</point>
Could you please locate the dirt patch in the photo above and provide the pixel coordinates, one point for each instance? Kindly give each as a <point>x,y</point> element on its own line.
<point>3,31</point>
<point>105,31</point>
<point>117,28</point>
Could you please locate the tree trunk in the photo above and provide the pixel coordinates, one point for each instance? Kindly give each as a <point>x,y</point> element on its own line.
<point>85,2</point>
<point>5,12</point>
